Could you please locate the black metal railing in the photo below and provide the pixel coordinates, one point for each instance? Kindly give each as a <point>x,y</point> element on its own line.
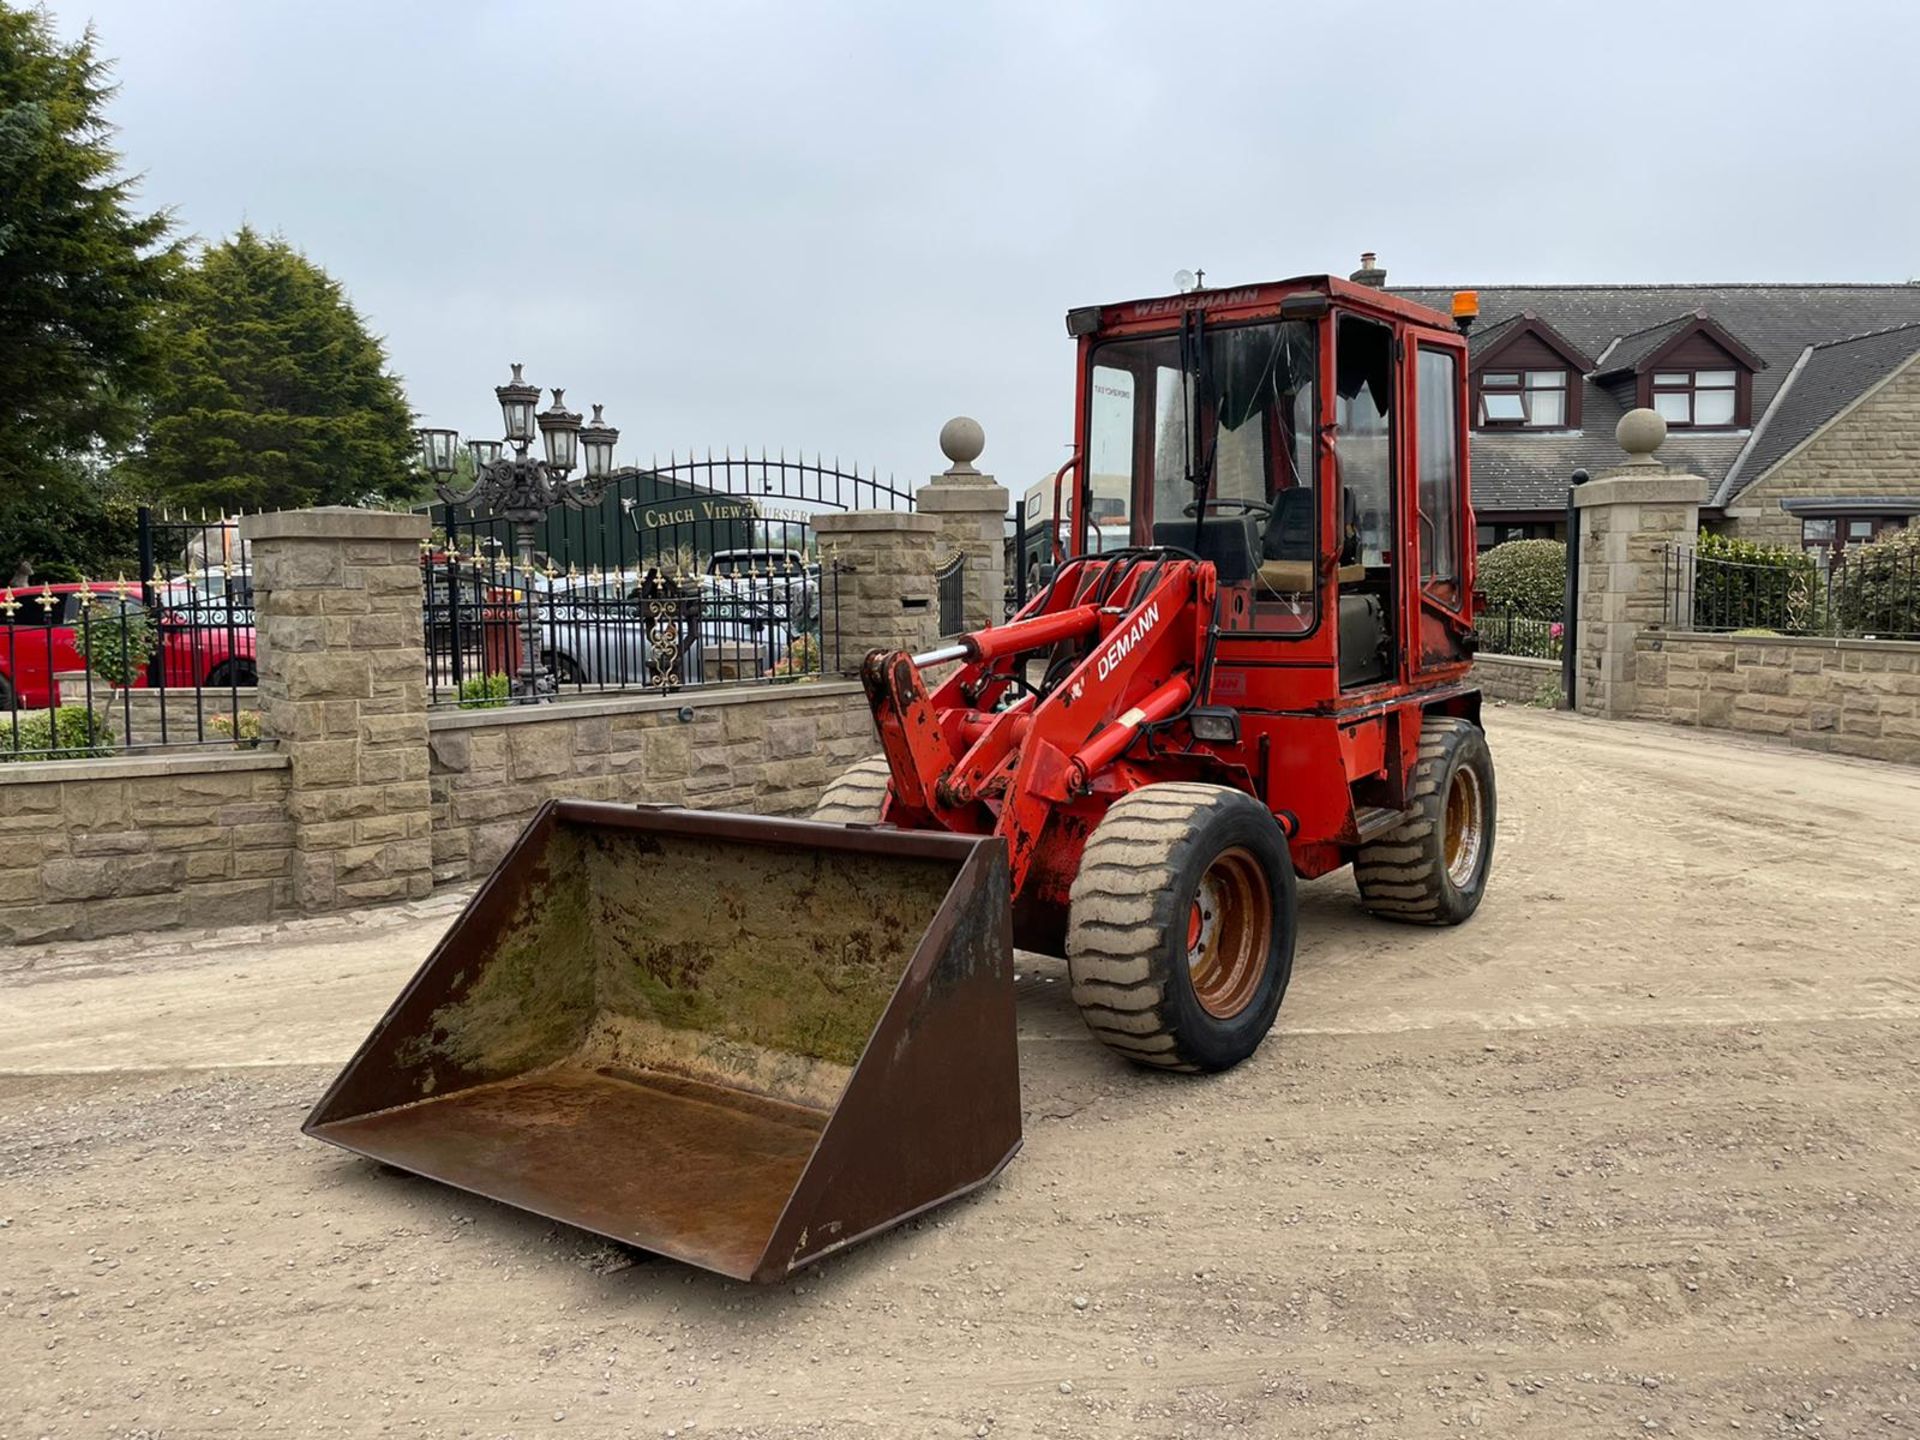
<point>690,516</point>
<point>598,631</point>
<point>1866,592</point>
<point>699,571</point>
<point>155,662</point>
<point>950,586</point>
<point>1509,632</point>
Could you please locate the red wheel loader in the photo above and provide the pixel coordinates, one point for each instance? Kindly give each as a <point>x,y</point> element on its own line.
<point>748,1043</point>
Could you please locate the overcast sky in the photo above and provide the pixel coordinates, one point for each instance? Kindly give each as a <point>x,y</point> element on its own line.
<point>834,226</point>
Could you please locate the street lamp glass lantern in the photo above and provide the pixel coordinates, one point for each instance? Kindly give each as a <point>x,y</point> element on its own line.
<point>560,429</point>
<point>484,452</point>
<point>517,399</point>
<point>598,440</point>
<point>437,449</point>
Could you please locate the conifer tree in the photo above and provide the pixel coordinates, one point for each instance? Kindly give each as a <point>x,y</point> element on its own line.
<point>82,269</point>
<point>273,395</point>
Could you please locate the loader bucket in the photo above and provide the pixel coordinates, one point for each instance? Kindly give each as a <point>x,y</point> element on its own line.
<point>743,1043</point>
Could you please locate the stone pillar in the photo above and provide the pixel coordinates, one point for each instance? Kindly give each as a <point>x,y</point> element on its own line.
<point>337,616</point>
<point>972,511</point>
<point>1629,516</point>
<point>876,584</point>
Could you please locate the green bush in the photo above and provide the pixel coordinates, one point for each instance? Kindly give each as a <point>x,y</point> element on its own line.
<point>81,733</point>
<point>1527,578</point>
<point>1876,589</point>
<point>115,645</point>
<point>485,692</point>
<point>1743,585</point>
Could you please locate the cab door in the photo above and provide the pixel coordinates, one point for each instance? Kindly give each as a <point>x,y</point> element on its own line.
<point>1367,504</point>
<point>1443,521</point>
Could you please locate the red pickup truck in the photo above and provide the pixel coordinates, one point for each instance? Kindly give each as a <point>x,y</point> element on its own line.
<point>192,646</point>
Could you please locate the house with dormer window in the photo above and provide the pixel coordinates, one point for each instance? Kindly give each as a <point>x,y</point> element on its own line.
<point>1799,404</point>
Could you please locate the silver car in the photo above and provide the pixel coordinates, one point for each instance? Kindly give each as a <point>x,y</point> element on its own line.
<point>595,635</point>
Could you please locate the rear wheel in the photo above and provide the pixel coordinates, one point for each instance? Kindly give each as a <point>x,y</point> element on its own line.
<point>1432,870</point>
<point>1181,926</point>
<point>229,673</point>
<point>857,796</point>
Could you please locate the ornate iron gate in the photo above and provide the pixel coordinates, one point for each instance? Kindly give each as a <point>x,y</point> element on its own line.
<point>696,572</point>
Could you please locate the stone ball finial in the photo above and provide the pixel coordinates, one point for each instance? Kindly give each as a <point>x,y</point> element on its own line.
<point>961,441</point>
<point>1640,433</point>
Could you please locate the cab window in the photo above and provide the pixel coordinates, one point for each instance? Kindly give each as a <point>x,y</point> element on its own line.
<point>1439,460</point>
<point>1240,414</point>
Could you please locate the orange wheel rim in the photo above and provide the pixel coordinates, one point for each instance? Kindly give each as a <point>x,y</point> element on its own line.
<point>1466,827</point>
<point>1229,933</point>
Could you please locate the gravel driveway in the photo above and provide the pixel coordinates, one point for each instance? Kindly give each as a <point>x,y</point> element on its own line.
<point>1637,1151</point>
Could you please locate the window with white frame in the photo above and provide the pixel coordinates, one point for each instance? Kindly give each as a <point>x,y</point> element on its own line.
<point>1837,532</point>
<point>1533,399</point>
<point>1696,397</point>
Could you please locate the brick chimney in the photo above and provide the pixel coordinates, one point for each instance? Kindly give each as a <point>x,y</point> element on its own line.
<point>1369,272</point>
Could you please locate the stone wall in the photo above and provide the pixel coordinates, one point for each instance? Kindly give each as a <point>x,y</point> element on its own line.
<point>102,847</point>
<point>1628,519</point>
<point>1872,450</point>
<point>769,750</point>
<point>147,715</point>
<point>343,690</point>
<point>1854,697</point>
<point>1517,679</point>
<point>973,522</point>
<point>881,595</point>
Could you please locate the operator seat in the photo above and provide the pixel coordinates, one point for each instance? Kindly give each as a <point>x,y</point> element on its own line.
<point>1287,548</point>
<point>1229,541</point>
<point>1289,533</point>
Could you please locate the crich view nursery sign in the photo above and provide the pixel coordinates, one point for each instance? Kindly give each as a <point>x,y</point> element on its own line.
<point>672,514</point>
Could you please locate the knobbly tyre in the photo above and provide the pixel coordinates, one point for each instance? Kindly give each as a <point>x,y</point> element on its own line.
<point>747,1043</point>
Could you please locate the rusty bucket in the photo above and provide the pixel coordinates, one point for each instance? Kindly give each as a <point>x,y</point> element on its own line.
<point>743,1043</point>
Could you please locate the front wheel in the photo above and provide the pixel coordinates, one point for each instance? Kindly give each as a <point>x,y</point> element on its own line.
<point>858,796</point>
<point>1433,869</point>
<point>1180,926</point>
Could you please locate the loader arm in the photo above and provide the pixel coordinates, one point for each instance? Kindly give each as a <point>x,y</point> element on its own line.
<point>963,761</point>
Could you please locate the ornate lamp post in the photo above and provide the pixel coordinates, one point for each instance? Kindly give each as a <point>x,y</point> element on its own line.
<point>524,489</point>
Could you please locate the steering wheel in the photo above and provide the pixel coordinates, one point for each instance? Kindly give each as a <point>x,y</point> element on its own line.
<point>1231,506</point>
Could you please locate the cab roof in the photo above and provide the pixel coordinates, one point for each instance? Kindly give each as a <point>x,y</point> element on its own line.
<point>1246,302</point>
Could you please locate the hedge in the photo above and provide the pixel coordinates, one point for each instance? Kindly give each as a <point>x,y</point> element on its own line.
<point>1876,588</point>
<point>82,733</point>
<point>1527,578</point>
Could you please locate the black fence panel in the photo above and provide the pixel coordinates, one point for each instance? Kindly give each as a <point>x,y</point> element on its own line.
<point>593,631</point>
<point>701,571</point>
<point>1510,632</point>
<point>101,667</point>
<point>950,585</point>
<point>1862,592</point>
